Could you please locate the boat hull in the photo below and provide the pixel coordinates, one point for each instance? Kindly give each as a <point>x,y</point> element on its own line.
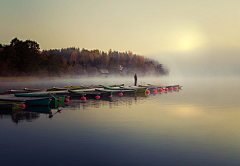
<point>139,89</point>
<point>56,89</point>
<point>117,88</point>
<point>8,105</point>
<point>38,101</point>
<point>56,99</point>
<point>116,91</point>
<point>90,94</point>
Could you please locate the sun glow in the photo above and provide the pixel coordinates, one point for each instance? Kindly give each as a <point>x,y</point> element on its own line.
<point>190,40</point>
<point>185,45</point>
<point>184,36</point>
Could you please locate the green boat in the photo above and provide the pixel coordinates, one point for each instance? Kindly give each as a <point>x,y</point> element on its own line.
<point>172,86</point>
<point>56,99</point>
<point>73,88</point>
<point>38,101</point>
<point>32,90</point>
<point>116,90</point>
<point>116,85</point>
<point>139,89</point>
<point>57,89</point>
<point>86,86</point>
<point>27,100</point>
<point>15,91</point>
<point>11,105</point>
<point>90,94</point>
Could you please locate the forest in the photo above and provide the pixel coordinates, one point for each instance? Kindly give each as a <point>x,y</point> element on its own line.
<point>24,58</point>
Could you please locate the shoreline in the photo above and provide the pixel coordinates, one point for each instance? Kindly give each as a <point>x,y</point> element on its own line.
<point>30,78</point>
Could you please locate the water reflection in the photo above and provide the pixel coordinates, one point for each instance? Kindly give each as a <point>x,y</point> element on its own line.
<point>31,113</point>
<point>194,126</point>
<point>127,100</point>
<point>19,115</point>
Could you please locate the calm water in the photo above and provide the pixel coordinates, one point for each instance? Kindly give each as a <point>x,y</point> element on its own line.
<point>198,125</point>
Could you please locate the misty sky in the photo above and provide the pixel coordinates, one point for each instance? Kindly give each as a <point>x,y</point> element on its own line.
<point>190,37</point>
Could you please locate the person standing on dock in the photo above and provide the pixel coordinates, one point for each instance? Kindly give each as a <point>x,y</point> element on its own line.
<point>135,79</point>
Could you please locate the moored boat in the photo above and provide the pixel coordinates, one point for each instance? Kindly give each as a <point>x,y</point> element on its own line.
<point>117,90</point>
<point>27,100</point>
<point>87,86</point>
<point>38,101</point>
<point>90,93</point>
<point>73,88</point>
<point>171,86</point>
<point>31,90</point>
<point>15,91</point>
<point>139,89</point>
<point>11,105</point>
<point>56,89</point>
<point>151,87</point>
<point>55,98</point>
<point>116,85</point>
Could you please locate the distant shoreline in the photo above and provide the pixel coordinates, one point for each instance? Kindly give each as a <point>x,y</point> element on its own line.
<point>30,78</point>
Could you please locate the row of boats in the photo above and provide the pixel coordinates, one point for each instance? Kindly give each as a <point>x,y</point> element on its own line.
<point>19,99</point>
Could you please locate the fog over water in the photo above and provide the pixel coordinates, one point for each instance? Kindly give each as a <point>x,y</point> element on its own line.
<point>197,125</point>
<point>211,62</point>
<point>161,81</point>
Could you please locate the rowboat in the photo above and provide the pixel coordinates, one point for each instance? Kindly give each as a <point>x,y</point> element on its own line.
<point>85,90</point>
<point>11,105</point>
<point>163,87</point>
<point>116,90</point>
<point>57,89</point>
<point>90,93</point>
<point>27,100</point>
<point>139,89</point>
<point>73,88</point>
<point>37,100</point>
<point>135,95</point>
<point>63,92</point>
<point>31,90</point>
<point>15,91</point>
<point>56,99</point>
<point>151,87</point>
<point>140,85</point>
<point>87,86</point>
<point>116,85</point>
<point>172,86</point>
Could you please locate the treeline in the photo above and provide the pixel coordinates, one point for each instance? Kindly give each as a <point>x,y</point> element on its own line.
<point>24,58</point>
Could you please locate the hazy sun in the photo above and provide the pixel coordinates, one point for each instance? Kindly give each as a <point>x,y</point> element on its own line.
<point>190,39</point>
<point>185,36</point>
<point>186,45</point>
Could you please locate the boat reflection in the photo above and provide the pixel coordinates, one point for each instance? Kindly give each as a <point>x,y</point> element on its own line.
<point>116,100</point>
<point>29,114</point>
<point>18,116</point>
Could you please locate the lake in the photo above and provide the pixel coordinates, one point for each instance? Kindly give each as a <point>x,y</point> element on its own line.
<point>198,125</point>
